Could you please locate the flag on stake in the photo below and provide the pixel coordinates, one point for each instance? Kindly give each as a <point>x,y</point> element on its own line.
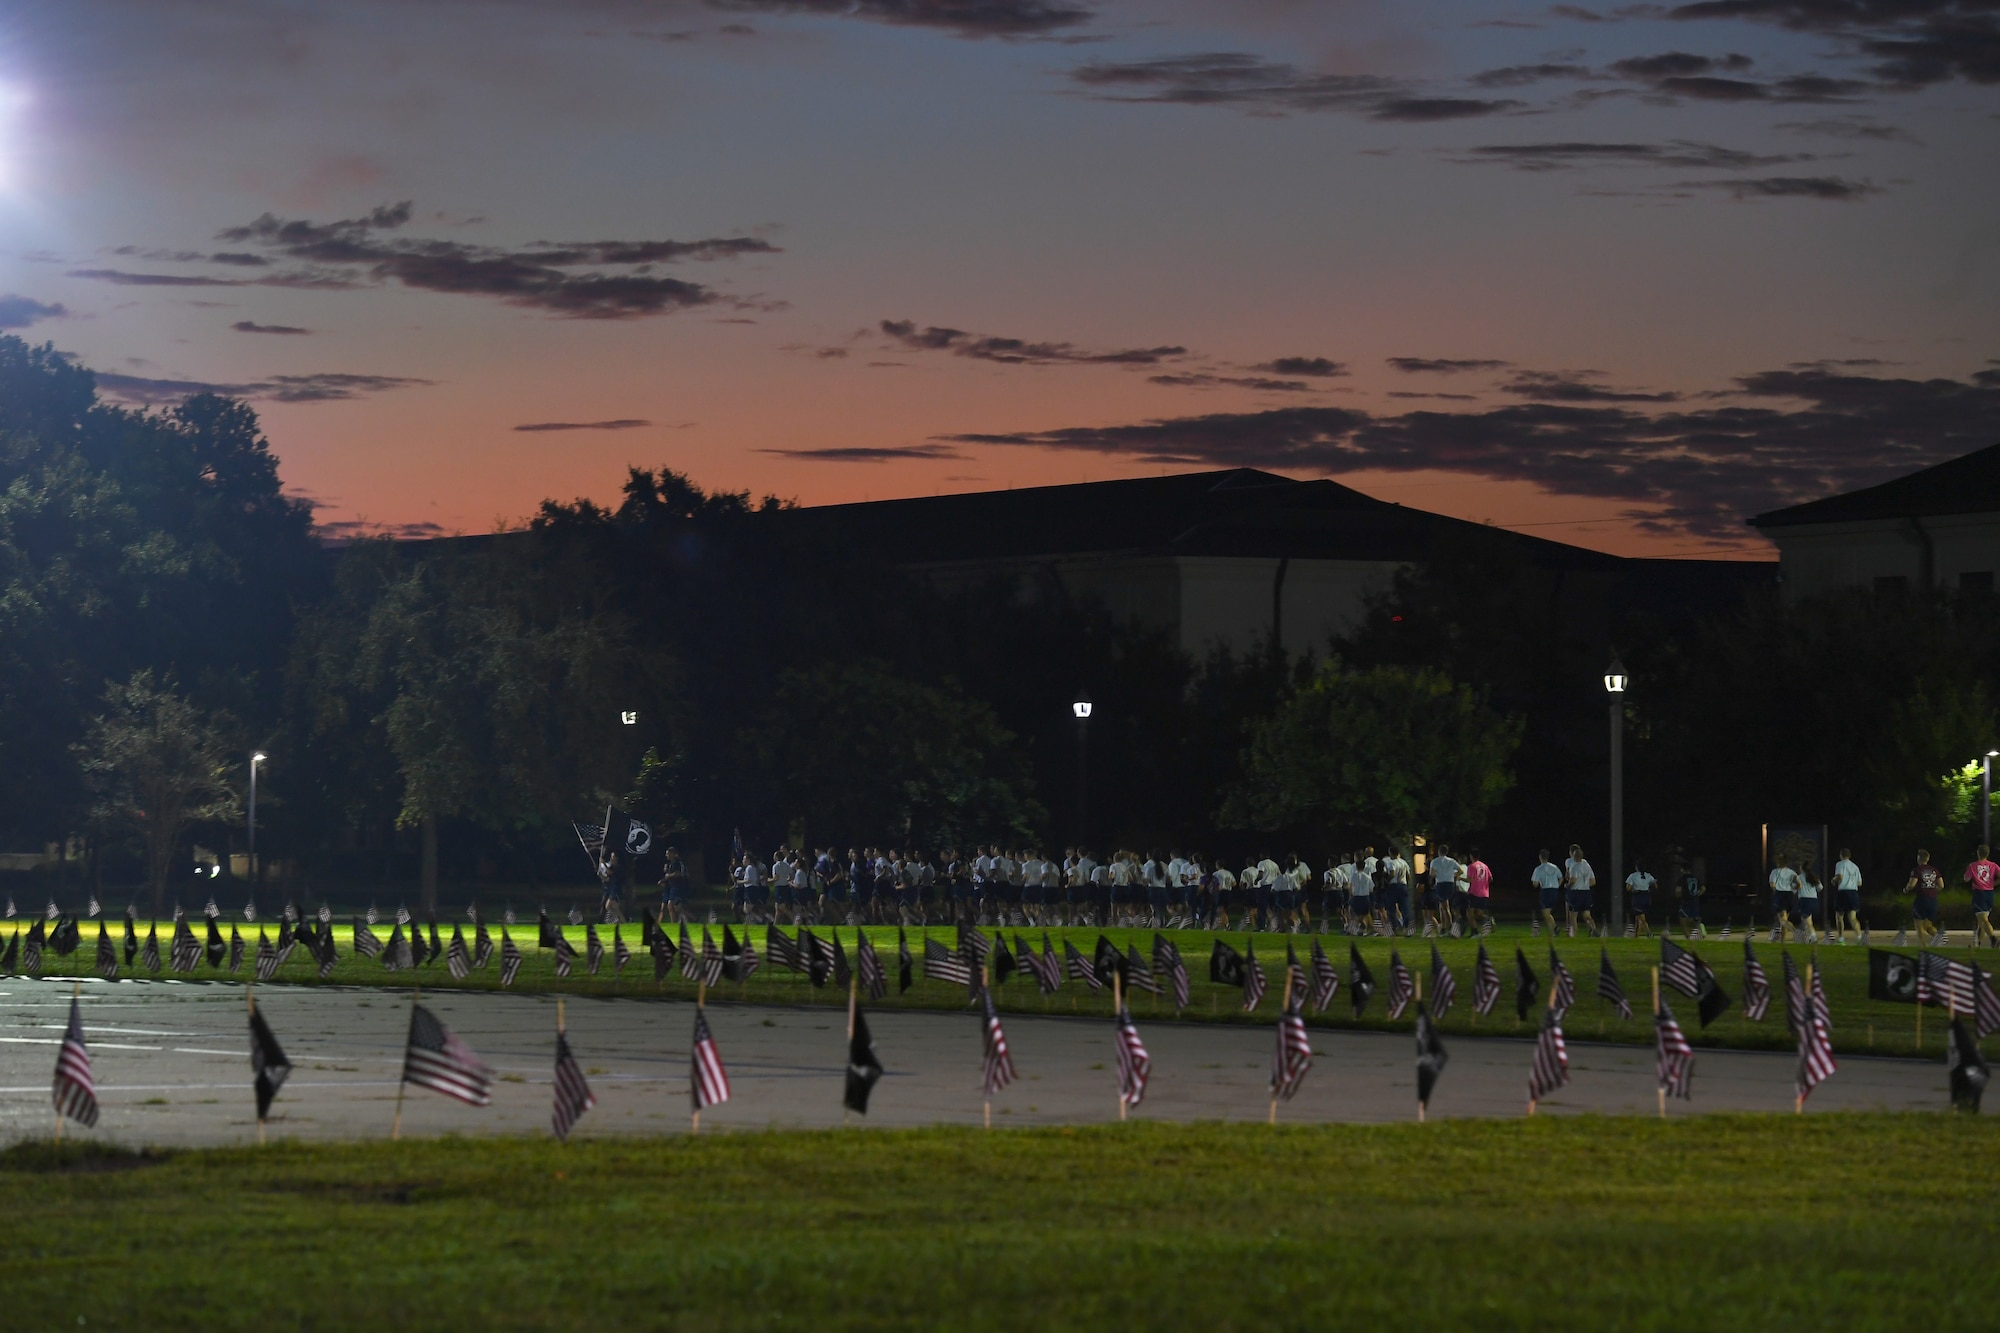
<point>10,959</point>
<point>1444,988</point>
<point>872,978</point>
<point>1167,963</point>
<point>482,945</point>
<point>1360,981</point>
<point>75,1090</point>
<point>1562,986</point>
<point>151,955</point>
<point>1225,965</point>
<point>1551,1066</point>
<point>997,1069</point>
<point>1253,978</point>
<point>510,958</point>
<point>573,1094</point>
<point>1325,979</point>
<point>1816,1062</point>
<point>1485,983</point>
<point>1431,1058</point>
<point>708,1084</point>
<point>267,1063</point>
<point>1080,968</point>
<point>1526,988</point>
<point>1756,985</point>
<point>940,964</point>
<point>456,959</point>
<point>366,942</point>
<point>1967,1068</point>
<point>235,948</point>
<point>107,957</point>
<point>1675,1068</point>
<point>1134,1065</point>
<point>1293,1056</point>
<point>593,948</point>
<point>267,957</point>
<point>621,954</point>
<point>131,936</point>
<point>1402,986</point>
<point>904,967</point>
<point>438,1060</point>
<point>1608,989</point>
<point>864,1068</point>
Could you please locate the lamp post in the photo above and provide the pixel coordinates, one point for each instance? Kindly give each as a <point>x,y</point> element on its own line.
<point>1986,799</point>
<point>1081,710</point>
<point>250,861</point>
<point>1615,681</point>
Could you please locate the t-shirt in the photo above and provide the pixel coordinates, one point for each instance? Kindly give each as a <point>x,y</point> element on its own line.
<point>1784,879</point>
<point>1640,882</point>
<point>1444,871</point>
<point>1579,874</point>
<point>1546,875</point>
<point>1846,875</point>
<point>1982,875</point>
<point>1361,884</point>
<point>1479,877</point>
<point>1930,880</point>
<point>1807,888</point>
<point>1397,869</point>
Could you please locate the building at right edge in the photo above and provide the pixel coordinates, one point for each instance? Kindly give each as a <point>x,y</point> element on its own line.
<point>1938,528</point>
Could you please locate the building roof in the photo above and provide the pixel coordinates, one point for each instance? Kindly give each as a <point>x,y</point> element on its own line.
<point>1235,512</point>
<point>1968,485</point>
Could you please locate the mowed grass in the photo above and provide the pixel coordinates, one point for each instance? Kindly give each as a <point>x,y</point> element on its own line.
<point>1850,1221</point>
<point>1860,1025</point>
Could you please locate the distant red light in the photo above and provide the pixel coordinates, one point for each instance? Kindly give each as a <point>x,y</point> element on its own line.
<point>1397,619</point>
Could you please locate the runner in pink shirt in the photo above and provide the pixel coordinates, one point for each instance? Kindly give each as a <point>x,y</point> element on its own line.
<point>1981,875</point>
<point>1479,887</point>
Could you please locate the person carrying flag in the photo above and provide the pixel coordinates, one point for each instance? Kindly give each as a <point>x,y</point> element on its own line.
<point>1926,882</point>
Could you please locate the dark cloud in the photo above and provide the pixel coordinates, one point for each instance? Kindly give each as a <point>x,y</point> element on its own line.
<point>1424,109</point>
<point>1302,365</point>
<point>1675,65</point>
<point>1678,153</point>
<point>323,387</point>
<point>1234,78</point>
<point>1575,386</point>
<point>1200,381</point>
<point>961,18</point>
<point>18,312</point>
<point>1800,434</point>
<point>1017,351</point>
<point>1520,76</point>
<point>1835,188</point>
<point>1676,74</point>
<point>343,531</point>
<point>251,326</point>
<point>1915,43</point>
<point>541,275</point>
<point>1424,365</point>
<point>1848,127</point>
<point>858,454</point>
<point>123,279</point>
<point>1454,397</point>
<point>240,258</point>
<point>617,423</point>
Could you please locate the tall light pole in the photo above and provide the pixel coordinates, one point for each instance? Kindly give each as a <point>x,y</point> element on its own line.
<point>1986,799</point>
<point>1081,710</point>
<point>250,861</point>
<point>1615,681</point>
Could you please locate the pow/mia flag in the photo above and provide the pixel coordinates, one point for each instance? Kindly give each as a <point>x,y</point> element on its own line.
<point>626,834</point>
<point>1892,976</point>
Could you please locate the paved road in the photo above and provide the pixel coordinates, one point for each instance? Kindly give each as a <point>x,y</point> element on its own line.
<point>172,1067</point>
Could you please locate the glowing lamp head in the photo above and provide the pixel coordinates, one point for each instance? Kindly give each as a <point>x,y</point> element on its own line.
<point>258,757</point>
<point>1081,707</point>
<point>629,718</point>
<point>1615,679</point>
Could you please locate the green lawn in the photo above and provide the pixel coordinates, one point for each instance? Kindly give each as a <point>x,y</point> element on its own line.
<point>1859,1024</point>
<point>1849,1221</point>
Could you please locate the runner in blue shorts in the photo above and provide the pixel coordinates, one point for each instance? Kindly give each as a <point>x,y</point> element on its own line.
<point>1548,879</point>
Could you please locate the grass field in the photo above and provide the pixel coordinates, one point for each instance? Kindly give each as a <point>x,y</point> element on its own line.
<point>1859,1024</point>
<point>1723,1222</point>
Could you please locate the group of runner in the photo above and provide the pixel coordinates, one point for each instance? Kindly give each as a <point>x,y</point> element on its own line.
<point>1799,898</point>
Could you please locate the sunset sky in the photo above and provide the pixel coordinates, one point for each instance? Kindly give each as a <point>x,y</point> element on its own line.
<point>1619,275</point>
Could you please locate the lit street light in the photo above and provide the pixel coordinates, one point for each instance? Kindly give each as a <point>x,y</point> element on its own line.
<point>250,861</point>
<point>1615,681</point>
<point>629,718</point>
<point>1081,711</point>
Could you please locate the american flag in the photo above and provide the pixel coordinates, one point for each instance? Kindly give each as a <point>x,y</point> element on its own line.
<point>942,964</point>
<point>456,958</point>
<point>1134,1065</point>
<point>974,939</point>
<point>235,948</point>
<point>593,948</point>
<point>999,1065</point>
<point>1325,980</point>
<point>752,960</point>
<point>1945,983</point>
<point>873,979</point>
<point>620,953</point>
<point>565,954</point>
<point>1485,984</point>
<point>711,958</point>
<point>1676,1058</point>
<point>1402,986</point>
<point>573,1095</point>
<point>267,957</point>
<point>1360,981</point>
<point>1045,966</point>
<point>268,1065</point>
<point>186,950</point>
<point>398,955</point>
<point>1551,1067</point>
<point>437,1060</point>
<point>510,958</point>
<point>13,951</point>
<point>1816,1062</point>
<point>1821,1009</point>
<point>1986,1010</point>
<point>1608,989</point>
<point>1080,968</point>
<point>75,1090</point>
<point>784,950</point>
<point>1293,1056</point>
<point>482,945</point>
<point>1254,984</point>
<point>708,1081</point>
<point>1444,989</point>
<point>366,943</point>
<point>107,957</point>
<point>842,972</point>
<point>1756,985</point>
<point>151,955</point>
<point>1562,986</point>
<point>1138,972</point>
<point>1680,969</point>
<point>690,956</point>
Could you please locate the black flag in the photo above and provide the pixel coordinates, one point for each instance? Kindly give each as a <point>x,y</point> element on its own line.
<point>904,966</point>
<point>1431,1056</point>
<point>1892,976</point>
<point>1107,960</point>
<point>1225,966</point>
<point>1526,989</point>
<point>549,934</point>
<point>732,954</point>
<point>267,1062</point>
<point>218,948</point>
<point>1360,981</point>
<point>131,936</point>
<point>863,1069</point>
<point>1968,1068</point>
<point>1003,959</point>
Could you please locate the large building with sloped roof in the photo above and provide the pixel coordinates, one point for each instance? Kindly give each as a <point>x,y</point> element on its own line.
<point>1934,529</point>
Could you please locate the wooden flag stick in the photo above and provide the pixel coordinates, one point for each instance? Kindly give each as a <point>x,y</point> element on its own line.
<point>1660,1087</point>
